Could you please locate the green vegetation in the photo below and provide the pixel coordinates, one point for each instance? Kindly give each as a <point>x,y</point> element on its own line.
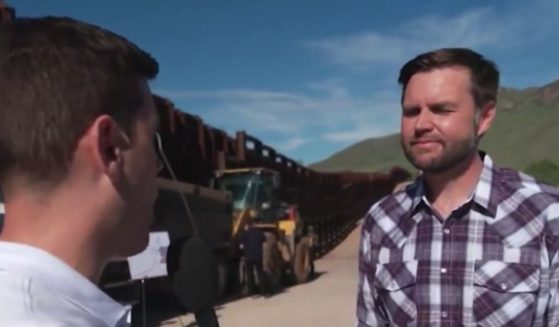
<point>369,155</point>
<point>525,131</point>
<point>545,171</point>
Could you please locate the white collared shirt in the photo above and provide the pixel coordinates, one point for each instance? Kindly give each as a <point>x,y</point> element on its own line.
<point>38,289</point>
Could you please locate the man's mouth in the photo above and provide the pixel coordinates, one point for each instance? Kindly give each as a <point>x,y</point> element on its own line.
<point>424,142</point>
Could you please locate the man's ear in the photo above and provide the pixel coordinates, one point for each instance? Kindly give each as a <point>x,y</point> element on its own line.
<point>486,117</point>
<point>108,145</point>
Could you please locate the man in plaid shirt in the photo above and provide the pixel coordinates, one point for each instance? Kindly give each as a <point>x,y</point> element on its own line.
<point>468,243</point>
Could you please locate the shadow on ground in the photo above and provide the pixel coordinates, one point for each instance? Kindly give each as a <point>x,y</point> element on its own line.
<point>163,309</point>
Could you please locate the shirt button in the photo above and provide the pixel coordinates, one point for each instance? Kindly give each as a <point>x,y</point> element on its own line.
<point>443,270</point>
<point>503,286</point>
<point>444,314</point>
<point>446,231</point>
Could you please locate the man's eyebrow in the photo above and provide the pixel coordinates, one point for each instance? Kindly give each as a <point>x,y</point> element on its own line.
<point>432,105</point>
<point>440,104</point>
<point>410,107</point>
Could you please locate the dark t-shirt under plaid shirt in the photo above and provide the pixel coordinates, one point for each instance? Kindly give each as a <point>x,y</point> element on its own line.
<point>493,262</point>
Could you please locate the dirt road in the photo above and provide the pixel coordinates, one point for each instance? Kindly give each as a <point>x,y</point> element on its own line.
<point>327,301</point>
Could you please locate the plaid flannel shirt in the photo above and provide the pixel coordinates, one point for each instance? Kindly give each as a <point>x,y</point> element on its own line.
<point>493,262</point>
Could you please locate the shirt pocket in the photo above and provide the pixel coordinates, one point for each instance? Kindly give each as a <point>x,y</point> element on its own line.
<point>394,283</point>
<point>505,293</point>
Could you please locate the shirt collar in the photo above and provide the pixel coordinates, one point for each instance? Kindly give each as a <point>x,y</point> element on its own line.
<point>57,276</point>
<point>485,194</point>
<point>418,192</point>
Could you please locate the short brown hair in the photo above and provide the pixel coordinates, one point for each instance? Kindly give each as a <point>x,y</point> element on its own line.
<point>56,76</point>
<point>485,75</point>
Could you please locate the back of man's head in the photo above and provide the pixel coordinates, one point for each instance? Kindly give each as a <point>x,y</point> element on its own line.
<point>56,76</point>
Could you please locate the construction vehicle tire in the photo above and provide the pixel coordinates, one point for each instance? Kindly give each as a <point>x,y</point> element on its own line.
<point>302,262</point>
<point>272,261</point>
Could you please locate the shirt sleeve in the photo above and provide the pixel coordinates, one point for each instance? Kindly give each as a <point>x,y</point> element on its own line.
<point>369,312</point>
<point>552,311</point>
<point>552,316</point>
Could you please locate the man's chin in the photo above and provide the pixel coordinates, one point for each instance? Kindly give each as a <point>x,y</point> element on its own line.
<point>422,162</point>
<point>428,164</point>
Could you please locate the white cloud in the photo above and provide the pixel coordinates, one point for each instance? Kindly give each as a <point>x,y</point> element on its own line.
<point>329,111</point>
<point>360,48</point>
<point>480,28</point>
<point>472,29</point>
<point>324,110</point>
<point>334,87</point>
<point>358,134</point>
<point>292,144</point>
<point>239,95</point>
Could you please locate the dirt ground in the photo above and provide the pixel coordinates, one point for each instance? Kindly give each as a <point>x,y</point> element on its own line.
<point>328,300</point>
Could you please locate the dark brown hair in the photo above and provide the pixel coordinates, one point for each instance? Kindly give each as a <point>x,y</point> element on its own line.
<point>484,73</point>
<point>56,76</point>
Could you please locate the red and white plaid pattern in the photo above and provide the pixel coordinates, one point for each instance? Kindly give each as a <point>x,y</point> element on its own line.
<point>493,262</point>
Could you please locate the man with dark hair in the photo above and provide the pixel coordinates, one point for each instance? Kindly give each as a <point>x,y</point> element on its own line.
<point>468,243</point>
<point>77,168</point>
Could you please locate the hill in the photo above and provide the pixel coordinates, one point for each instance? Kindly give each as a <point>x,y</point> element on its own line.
<point>525,131</point>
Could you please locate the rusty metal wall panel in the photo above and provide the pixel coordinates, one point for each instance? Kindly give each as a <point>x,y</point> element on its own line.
<point>196,150</point>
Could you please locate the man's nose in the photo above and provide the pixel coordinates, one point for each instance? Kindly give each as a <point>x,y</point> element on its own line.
<point>423,122</point>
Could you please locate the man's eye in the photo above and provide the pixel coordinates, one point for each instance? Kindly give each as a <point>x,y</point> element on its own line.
<point>442,109</point>
<point>410,112</point>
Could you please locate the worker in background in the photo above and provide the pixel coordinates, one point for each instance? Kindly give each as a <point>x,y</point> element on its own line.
<point>468,243</point>
<point>77,168</point>
<point>252,241</point>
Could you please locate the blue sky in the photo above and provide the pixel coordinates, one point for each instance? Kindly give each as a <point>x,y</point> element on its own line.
<point>312,77</point>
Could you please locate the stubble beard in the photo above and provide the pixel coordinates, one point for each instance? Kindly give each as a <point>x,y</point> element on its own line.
<point>452,154</point>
